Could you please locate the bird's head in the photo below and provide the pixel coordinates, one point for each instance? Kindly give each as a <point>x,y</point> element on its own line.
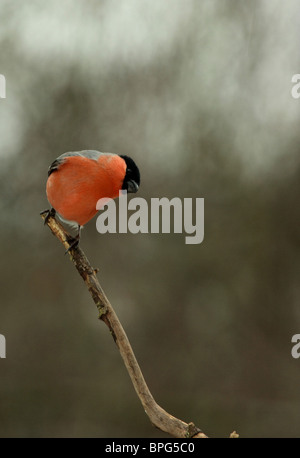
<point>132,178</point>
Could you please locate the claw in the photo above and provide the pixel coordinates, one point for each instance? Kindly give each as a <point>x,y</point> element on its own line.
<point>74,241</point>
<point>73,244</point>
<point>48,213</point>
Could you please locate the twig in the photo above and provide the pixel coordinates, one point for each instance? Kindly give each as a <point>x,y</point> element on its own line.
<point>158,416</point>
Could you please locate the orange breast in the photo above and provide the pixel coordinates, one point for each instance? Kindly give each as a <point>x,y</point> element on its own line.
<point>74,189</point>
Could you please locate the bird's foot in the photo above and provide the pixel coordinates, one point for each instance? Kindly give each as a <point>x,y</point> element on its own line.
<point>73,242</point>
<point>48,213</point>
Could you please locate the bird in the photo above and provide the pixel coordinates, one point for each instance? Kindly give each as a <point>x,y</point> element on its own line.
<point>77,180</point>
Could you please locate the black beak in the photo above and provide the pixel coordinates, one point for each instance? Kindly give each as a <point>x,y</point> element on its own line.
<point>132,186</point>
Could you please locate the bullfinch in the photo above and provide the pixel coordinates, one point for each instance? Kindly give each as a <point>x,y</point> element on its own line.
<point>77,180</point>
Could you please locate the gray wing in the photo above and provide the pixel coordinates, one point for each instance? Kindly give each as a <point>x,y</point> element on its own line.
<point>90,154</point>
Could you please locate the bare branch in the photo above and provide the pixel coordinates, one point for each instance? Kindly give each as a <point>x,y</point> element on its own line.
<point>158,416</point>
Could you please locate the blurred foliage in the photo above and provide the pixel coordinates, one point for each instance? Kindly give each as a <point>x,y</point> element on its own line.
<point>198,93</point>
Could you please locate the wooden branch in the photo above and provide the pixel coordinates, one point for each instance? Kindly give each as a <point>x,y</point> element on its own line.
<point>158,416</point>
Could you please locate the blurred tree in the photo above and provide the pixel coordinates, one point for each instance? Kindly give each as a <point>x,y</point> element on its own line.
<point>199,95</point>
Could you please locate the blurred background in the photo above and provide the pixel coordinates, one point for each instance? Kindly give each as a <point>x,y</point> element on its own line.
<point>198,92</point>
